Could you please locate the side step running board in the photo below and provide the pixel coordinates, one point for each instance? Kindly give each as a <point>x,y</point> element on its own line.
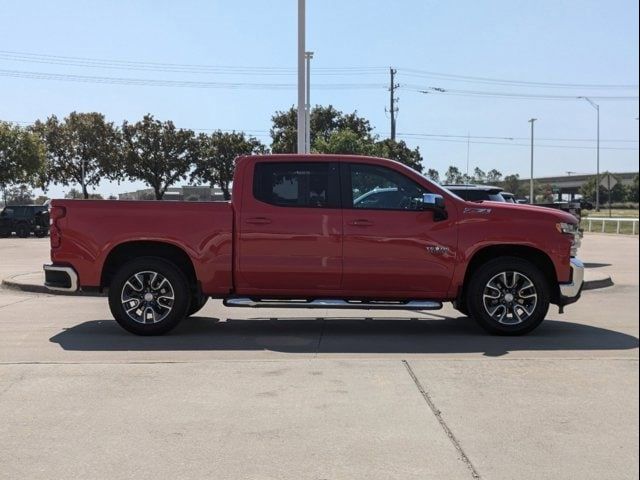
<point>331,303</point>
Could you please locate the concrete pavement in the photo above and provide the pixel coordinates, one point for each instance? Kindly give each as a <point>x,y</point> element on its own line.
<point>401,395</point>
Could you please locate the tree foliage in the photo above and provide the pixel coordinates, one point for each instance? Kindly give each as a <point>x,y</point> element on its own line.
<point>157,153</point>
<point>21,155</point>
<point>81,149</point>
<point>453,175</point>
<point>333,131</point>
<point>433,175</point>
<point>214,163</point>
<point>18,195</point>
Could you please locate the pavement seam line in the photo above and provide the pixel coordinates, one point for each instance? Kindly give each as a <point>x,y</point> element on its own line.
<point>16,302</point>
<point>438,414</point>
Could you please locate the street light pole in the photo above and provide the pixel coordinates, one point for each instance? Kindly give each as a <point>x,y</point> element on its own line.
<point>597,107</point>
<point>532,198</point>
<point>301,76</point>
<point>307,111</point>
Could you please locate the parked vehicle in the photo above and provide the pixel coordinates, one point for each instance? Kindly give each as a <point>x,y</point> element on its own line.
<point>508,197</point>
<point>477,193</point>
<point>24,220</point>
<point>297,233</point>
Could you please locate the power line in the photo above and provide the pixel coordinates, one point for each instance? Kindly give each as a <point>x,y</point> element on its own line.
<point>471,79</point>
<point>179,83</point>
<point>475,93</point>
<point>93,62</point>
<point>175,67</point>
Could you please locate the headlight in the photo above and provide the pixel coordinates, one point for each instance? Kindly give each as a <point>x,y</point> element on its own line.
<point>568,228</point>
<point>573,230</point>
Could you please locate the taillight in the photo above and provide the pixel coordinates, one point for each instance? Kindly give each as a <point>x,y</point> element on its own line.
<point>55,214</point>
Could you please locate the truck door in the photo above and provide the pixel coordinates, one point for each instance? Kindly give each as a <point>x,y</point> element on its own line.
<point>393,248</point>
<point>290,229</point>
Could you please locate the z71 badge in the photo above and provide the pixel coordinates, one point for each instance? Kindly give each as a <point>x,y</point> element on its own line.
<point>481,211</point>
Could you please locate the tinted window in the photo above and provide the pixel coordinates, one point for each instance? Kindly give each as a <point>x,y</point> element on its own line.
<point>380,188</point>
<point>294,184</point>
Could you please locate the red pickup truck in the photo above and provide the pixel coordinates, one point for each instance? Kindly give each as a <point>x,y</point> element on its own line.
<point>319,231</point>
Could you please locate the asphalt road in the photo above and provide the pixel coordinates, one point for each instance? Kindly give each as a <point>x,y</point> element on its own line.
<point>336,395</point>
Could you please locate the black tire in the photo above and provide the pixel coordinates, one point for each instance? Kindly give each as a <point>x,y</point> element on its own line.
<point>22,230</point>
<point>40,233</point>
<point>5,233</point>
<point>197,302</point>
<point>461,306</point>
<point>168,316</point>
<point>516,299</point>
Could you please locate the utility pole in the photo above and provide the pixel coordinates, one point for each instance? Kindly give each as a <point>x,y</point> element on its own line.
<point>597,107</point>
<point>301,76</point>
<point>307,111</point>
<point>468,148</point>
<point>392,102</point>
<point>532,198</point>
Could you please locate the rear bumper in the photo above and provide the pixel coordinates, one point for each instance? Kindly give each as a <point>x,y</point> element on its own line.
<point>60,278</point>
<point>570,292</point>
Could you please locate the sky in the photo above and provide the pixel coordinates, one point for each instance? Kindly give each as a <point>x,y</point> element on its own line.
<point>583,48</point>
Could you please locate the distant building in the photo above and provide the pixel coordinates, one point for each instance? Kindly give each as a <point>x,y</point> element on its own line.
<point>185,193</point>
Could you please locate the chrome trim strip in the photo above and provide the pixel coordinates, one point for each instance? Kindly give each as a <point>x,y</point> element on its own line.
<point>73,277</point>
<point>331,303</point>
<point>572,289</point>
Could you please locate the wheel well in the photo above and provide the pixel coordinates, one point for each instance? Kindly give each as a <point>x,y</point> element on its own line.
<point>533,255</point>
<point>130,250</point>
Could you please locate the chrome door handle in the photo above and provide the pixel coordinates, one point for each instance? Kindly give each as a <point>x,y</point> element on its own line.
<point>258,221</point>
<point>362,222</point>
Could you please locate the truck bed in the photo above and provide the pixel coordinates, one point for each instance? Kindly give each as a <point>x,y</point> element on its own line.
<point>92,229</point>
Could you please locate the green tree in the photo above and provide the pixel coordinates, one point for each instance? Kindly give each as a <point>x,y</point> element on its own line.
<point>81,149</point>
<point>494,176</point>
<point>400,152</point>
<point>19,195</point>
<point>214,163</point>
<point>346,142</point>
<point>40,200</point>
<point>324,122</point>
<point>157,153</point>
<point>633,194</point>
<point>453,175</point>
<point>75,194</point>
<point>433,175</point>
<point>21,156</point>
<point>479,176</point>
<point>513,184</point>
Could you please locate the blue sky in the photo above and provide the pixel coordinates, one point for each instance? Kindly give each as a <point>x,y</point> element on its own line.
<point>567,42</point>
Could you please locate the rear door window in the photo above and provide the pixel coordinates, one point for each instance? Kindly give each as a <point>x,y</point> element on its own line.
<point>296,184</point>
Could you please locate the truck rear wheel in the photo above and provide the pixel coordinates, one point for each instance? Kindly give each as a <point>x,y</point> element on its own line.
<point>149,296</point>
<point>508,296</point>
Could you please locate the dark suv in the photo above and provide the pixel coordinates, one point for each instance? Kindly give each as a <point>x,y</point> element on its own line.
<point>477,193</point>
<point>23,220</point>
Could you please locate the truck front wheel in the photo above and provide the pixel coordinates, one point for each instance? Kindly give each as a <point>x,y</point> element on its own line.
<point>149,296</point>
<point>508,296</point>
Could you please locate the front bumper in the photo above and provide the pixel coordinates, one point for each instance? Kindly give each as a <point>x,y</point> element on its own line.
<point>570,292</point>
<point>60,278</point>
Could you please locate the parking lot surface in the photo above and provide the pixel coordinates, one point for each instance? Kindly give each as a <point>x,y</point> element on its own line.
<point>281,394</point>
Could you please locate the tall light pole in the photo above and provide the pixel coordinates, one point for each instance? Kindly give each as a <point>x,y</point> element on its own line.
<point>597,107</point>
<point>301,76</point>
<point>307,110</point>
<point>532,198</point>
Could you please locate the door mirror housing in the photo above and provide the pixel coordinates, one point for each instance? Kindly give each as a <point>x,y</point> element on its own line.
<point>435,203</point>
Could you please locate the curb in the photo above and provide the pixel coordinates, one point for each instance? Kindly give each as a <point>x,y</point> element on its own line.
<point>14,283</point>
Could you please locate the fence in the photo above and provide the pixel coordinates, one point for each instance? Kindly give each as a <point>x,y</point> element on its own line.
<point>602,222</point>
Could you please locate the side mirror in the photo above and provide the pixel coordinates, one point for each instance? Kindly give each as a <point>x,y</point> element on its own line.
<point>435,203</point>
